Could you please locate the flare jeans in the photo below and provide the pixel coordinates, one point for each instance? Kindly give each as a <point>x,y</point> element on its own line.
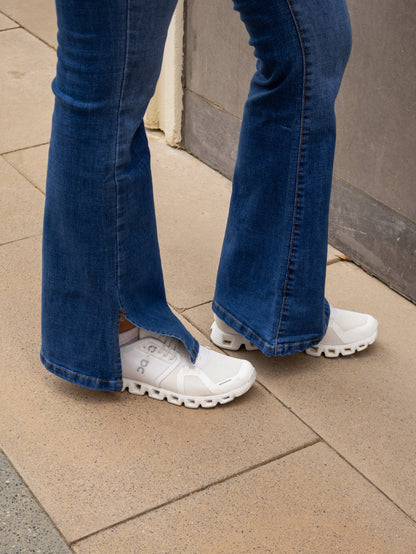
<point>100,250</point>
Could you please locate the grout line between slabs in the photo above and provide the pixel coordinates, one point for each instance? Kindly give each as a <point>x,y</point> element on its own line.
<point>201,489</point>
<point>19,240</point>
<point>34,185</point>
<point>23,148</point>
<point>183,310</point>
<point>324,441</point>
<point>20,26</point>
<point>9,28</point>
<point>321,439</point>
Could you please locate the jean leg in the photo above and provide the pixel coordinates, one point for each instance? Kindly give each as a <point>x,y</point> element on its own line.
<point>271,278</point>
<point>100,249</point>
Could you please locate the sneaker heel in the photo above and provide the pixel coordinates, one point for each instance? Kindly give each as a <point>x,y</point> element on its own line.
<point>229,341</point>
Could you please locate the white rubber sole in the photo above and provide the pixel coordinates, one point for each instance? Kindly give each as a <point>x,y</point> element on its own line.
<point>136,387</point>
<point>331,351</point>
<point>234,341</point>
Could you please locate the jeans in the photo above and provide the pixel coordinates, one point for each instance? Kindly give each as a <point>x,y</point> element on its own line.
<point>100,251</point>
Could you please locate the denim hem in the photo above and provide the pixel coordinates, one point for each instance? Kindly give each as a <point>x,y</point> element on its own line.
<point>293,346</point>
<point>79,379</point>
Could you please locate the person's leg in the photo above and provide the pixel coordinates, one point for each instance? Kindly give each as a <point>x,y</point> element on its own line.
<point>271,278</point>
<point>100,255</point>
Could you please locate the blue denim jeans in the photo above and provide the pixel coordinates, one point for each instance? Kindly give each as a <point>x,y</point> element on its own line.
<point>100,250</point>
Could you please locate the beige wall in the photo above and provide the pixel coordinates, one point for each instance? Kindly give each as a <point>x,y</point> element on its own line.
<point>165,109</point>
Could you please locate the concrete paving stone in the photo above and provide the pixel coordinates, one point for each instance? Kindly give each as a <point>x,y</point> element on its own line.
<point>27,67</point>
<point>24,527</point>
<point>93,459</point>
<point>192,205</point>
<point>6,23</point>
<point>308,502</point>
<point>32,163</point>
<point>38,16</point>
<point>21,208</point>
<point>363,405</point>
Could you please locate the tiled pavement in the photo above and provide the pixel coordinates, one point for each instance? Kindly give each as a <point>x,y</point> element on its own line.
<point>318,457</point>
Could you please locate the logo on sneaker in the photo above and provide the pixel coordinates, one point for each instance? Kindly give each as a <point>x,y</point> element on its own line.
<point>142,366</point>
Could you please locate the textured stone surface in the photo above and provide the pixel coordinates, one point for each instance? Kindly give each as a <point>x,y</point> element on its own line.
<point>27,67</point>
<point>6,23</point>
<point>310,501</point>
<point>24,526</point>
<point>38,16</point>
<point>21,206</point>
<point>363,405</point>
<point>32,163</point>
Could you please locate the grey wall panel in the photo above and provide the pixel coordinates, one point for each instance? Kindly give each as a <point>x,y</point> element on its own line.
<point>212,134</point>
<point>219,62</point>
<point>377,238</point>
<point>376,108</point>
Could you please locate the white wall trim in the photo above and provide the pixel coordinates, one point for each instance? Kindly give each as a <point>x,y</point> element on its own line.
<point>165,109</point>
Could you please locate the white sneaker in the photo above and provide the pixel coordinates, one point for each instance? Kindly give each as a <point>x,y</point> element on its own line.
<point>347,332</point>
<point>223,336</point>
<point>161,367</point>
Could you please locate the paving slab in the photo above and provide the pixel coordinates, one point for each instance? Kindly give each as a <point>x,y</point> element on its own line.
<point>37,16</point>
<point>32,163</point>
<point>24,526</point>
<point>7,23</point>
<point>363,405</point>
<point>27,67</point>
<point>21,208</point>
<point>308,502</point>
<point>93,459</point>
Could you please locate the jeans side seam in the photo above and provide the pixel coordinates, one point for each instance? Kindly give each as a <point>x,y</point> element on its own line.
<point>116,183</point>
<point>302,47</point>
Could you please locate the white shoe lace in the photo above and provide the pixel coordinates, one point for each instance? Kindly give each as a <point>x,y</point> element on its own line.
<point>166,349</point>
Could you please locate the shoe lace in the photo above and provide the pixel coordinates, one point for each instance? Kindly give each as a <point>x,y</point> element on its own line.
<point>166,349</point>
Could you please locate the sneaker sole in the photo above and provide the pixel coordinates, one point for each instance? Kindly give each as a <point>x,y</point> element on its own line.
<point>235,341</point>
<point>136,387</point>
<point>330,351</point>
